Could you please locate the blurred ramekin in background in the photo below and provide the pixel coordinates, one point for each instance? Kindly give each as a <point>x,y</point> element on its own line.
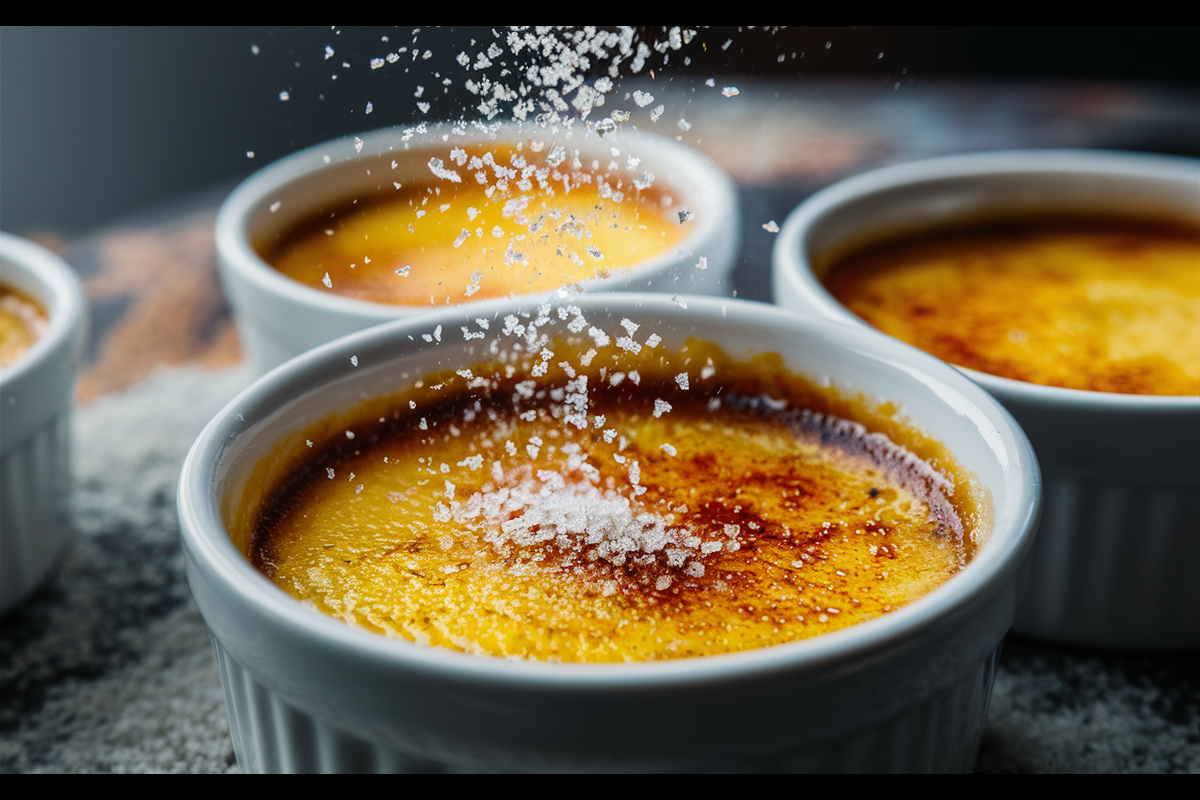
<point>279,317</point>
<point>1118,555</point>
<point>36,398</point>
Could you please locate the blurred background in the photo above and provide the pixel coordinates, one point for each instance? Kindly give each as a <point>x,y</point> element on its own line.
<point>97,124</point>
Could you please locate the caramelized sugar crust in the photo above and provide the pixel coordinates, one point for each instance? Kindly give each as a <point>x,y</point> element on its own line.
<point>528,227</point>
<point>1106,305</point>
<point>708,521</point>
<point>22,321</point>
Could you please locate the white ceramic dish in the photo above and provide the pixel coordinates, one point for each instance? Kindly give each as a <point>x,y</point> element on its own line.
<point>36,398</point>
<point>1118,562</point>
<point>905,692</point>
<point>279,318</point>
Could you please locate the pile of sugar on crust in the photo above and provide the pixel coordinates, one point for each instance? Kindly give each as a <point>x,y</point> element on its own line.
<point>587,495</point>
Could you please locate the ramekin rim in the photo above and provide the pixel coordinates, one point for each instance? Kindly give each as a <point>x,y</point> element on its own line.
<point>788,253</point>
<point>234,246</point>
<point>987,570</point>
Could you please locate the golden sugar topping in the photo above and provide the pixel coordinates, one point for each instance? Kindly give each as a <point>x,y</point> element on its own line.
<point>594,515</point>
<point>1096,304</point>
<point>487,223</point>
<point>22,321</point>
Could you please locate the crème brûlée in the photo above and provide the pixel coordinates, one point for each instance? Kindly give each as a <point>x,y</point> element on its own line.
<point>485,222</point>
<point>22,322</point>
<point>593,515</point>
<point>1106,305</point>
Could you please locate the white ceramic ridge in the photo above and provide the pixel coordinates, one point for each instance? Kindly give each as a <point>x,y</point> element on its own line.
<point>36,399</point>
<point>905,692</point>
<point>1118,562</point>
<point>279,317</point>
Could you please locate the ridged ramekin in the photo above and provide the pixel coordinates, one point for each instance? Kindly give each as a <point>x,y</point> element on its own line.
<point>279,317</point>
<point>36,397</point>
<point>905,692</point>
<point>1118,559</point>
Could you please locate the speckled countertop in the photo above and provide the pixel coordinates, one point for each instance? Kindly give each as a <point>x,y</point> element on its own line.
<point>109,668</point>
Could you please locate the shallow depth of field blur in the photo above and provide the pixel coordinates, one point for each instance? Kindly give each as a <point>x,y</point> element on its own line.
<point>99,123</point>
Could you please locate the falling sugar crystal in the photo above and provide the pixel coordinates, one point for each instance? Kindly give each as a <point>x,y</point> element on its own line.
<point>358,144</point>
<point>376,63</point>
<point>403,271</point>
<point>370,107</point>
<point>328,283</point>
<point>354,361</point>
<point>730,91</point>
<point>771,227</point>
<point>249,154</point>
<point>284,95</point>
<point>702,263</point>
<point>275,206</point>
<point>686,215</point>
<point>328,52</point>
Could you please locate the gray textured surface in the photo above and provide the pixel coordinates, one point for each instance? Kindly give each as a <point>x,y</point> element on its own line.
<point>109,667</point>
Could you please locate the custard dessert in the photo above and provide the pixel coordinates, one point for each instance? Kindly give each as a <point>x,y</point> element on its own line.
<point>1105,305</point>
<point>486,222</point>
<point>22,322</point>
<point>567,506</point>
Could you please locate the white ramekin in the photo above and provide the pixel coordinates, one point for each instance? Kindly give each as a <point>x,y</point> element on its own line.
<point>36,398</point>
<point>905,692</point>
<point>279,317</point>
<point>1118,558</point>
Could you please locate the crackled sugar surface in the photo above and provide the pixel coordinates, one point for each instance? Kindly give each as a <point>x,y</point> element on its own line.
<point>1094,304</point>
<point>487,223</point>
<point>665,523</point>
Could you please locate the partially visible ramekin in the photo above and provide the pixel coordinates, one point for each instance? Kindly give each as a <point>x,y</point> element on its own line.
<point>1118,559</point>
<point>36,398</point>
<point>905,692</point>
<point>279,317</point>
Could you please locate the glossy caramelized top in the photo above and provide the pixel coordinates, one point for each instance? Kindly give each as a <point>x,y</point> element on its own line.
<point>594,515</point>
<point>487,222</point>
<point>22,321</point>
<point>1098,304</point>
